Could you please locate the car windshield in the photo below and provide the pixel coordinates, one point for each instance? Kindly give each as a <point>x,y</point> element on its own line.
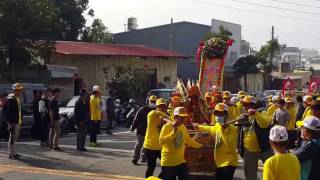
<point>162,94</point>
<point>72,102</point>
<point>268,93</point>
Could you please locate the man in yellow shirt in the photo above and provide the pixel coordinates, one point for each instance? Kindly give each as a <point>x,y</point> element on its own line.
<point>95,115</point>
<point>233,112</point>
<point>241,95</point>
<point>151,145</point>
<point>254,143</point>
<point>291,125</point>
<point>274,106</point>
<point>225,150</point>
<point>173,138</point>
<point>282,165</point>
<point>307,101</point>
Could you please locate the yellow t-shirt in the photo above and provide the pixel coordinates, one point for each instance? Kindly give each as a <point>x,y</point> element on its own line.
<point>250,140</point>
<point>174,144</point>
<point>282,167</point>
<point>240,107</point>
<point>307,112</point>
<point>151,140</point>
<point>233,112</point>
<point>225,152</point>
<point>95,108</point>
<point>292,122</point>
<point>272,109</point>
<point>20,111</point>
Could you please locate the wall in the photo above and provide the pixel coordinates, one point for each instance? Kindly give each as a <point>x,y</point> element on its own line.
<point>255,82</point>
<point>91,67</point>
<point>235,49</point>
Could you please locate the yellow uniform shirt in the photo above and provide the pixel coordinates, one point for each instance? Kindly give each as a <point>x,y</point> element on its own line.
<point>95,108</point>
<point>213,119</point>
<point>272,109</point>
<point>225,153</point>
<point>233,112</point>
<point>292,122</point>
<point>240,107</point>
<point>20,111</point>
<point>282,167</point>
<point>174,144</point>
<point>250,140</point>
<point>154,125</point>
<point>307,112</point>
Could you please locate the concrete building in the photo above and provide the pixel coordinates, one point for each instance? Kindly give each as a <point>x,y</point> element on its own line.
<point>186,37</point>
<point>309,53</point>
<point>235,50</point>
<point>154,66</point>
<point>245,48</point>
<point>291,55</point>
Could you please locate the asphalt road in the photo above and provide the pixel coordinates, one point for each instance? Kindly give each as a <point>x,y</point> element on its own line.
<point>112,158</point>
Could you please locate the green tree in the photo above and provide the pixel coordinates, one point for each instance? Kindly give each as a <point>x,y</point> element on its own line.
<point>246,65</point>
<point>223,34</point>
<point>97,33</point>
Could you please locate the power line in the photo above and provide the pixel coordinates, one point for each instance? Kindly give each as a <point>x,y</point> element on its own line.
<point>298,4</point>
<point>275,7</point>
<point>256,12</point>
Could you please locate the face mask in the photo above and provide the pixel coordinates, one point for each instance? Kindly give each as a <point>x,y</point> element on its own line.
<point>220,119</point>
<point>152,105</point>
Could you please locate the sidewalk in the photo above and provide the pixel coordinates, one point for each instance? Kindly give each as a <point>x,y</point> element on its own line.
<point>31,173</point>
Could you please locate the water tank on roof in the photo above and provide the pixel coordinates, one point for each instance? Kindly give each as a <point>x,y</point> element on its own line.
<point>132,24</point>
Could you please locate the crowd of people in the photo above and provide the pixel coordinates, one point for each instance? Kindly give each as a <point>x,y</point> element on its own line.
<point>47,121</point>
<point>284,135</point>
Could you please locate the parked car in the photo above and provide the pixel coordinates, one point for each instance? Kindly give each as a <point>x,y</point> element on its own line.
<point>272,92</point>
<point>27,98</point>
<point>161,93</point>
<point>66,112</point>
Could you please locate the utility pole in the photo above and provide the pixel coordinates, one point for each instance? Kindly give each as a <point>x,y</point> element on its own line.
<point>171,35</point>
<point>272,33</point>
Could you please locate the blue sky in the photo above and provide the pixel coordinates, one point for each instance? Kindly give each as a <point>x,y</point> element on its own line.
<point>256,27</point>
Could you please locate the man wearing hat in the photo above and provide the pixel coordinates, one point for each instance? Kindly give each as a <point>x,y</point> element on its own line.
<point>13,116</point>
<point>151,146</point>
<point>282,165</point>
<point>281,116</point>
<point>308,153</point>
<point>174,137</point>
<point>233,112</point>
<point>290,107</point>
<point>81,115</point>
<point>95,115</point>
<point>274,106</point>
<point>307,102</point>
<point>225,154</point>
<point>241,95</point>
<point>45,116</point>
<point>253,139</point>
<point>140,123</point>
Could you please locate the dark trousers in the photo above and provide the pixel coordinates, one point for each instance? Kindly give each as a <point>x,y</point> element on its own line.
<point>44,130</point>
<point>171,173</point>
<point>225,173</point>
<point>291,139</point>
<point>151,156</point>
<point>94,131</point>
<point>109,123</point>
<point>81,135</point>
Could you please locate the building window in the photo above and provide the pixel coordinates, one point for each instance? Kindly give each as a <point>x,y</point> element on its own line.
<point>233,56</point>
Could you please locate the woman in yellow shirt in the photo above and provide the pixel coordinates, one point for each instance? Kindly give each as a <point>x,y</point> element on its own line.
<point>151,146</point>
<point>282,165</point>
<point>225,154</point>
<point>173,138</point>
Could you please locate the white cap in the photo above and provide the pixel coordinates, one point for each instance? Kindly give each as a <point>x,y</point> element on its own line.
<point>275,98</point>
<point>96,88</point>
<point>312,123</point>
<point>118,101</point>
<point>278,134</point>
<point>234,99</point>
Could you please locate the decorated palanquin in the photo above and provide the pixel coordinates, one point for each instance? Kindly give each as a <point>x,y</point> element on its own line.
<point>211,55</point>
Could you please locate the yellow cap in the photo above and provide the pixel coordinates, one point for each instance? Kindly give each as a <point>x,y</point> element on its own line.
<point>276,98</point>
<point>226,94</point>
<point>180,111</point>
<point>318,98</point>
<point>153,98</point>
<point>153,178</point>
<point>17,86</point>
<point>288,99</point>
<point>249,99</point>
<point>208,95</point>
<point>221,107</point>
<point>308,99</point>
<point>161,101</point>
<point>241,94</point>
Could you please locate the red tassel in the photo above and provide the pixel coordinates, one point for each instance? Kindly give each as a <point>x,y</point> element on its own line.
<point>199,51</point>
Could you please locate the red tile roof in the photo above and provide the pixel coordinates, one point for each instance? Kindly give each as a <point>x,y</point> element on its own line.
<point>84,48</point>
